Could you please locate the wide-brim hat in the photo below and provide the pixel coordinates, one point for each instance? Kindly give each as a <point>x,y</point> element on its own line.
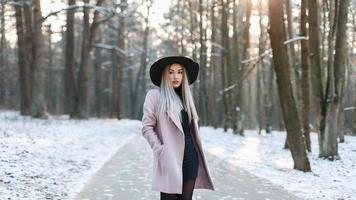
<point>157,68</point>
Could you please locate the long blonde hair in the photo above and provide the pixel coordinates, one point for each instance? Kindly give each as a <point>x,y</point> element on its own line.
<point>170,101</point>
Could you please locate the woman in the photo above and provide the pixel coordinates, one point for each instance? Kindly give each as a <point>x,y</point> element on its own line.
<point>170,126</point>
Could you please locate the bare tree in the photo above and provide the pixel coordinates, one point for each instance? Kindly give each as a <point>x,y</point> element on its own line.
<point>203,67</point>
<point>70,84</point>
<point>262,93</point>
<point>305,76</point>
<point>23,62</point>
<point>241,70</point>
<point>39,107</point>
<point>285,89</point>
<point>140,86</point>
<point>120,58</point>
<point>225,61</point>
<point>335,89</point>
<point>50,80</point>
<point>317,76</point>
<point>291,50</point>
<point>2,53</point>
<point>213,70</point>
<point>89,32</point>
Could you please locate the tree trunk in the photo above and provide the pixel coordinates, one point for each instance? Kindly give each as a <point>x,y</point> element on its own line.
<point>235,92</point>
<point>50,92</point>
<point>354,115</point>
<point>336,79</point>
<point>82,92</point>
<point>241,111</point>
<point>89,32</point>
<point>341,124</point>
<point>292,54</point>
<point>224,61</point>
<point>70,83</point>
<point>120,57</point>
<point>141,78</point>
<point>39,107</point>
<point>202,57</point>
<point>192,27</point>
<point>23,62</point>
<point>305,76</point>
<point>261,87</point>
<point>2,54</point>
<point>288,103</point>
<point>98,79</point>
<point>317,76</point>
<point>212,101</point>
<point>113,73</point>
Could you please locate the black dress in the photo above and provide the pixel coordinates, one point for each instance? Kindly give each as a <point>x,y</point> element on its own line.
<point>190,159</point>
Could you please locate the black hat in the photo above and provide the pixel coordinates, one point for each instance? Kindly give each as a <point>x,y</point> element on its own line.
<point>191,68</point>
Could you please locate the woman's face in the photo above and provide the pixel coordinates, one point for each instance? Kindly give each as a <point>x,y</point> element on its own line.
<point>175,74</point>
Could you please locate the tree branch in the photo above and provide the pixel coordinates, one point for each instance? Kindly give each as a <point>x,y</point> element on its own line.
<point>100,9</point>
<point>258,59</point>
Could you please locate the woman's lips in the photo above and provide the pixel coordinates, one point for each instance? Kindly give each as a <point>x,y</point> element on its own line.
<point>175,82</point>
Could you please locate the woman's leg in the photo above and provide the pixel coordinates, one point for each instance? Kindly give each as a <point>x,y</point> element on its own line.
<point>188,188</point>
<point>166,196</point>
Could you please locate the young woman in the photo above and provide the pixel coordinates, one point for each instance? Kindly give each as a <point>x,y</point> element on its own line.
<point>170,126</point>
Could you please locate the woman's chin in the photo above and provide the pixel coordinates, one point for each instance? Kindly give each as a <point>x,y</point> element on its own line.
<point>175,86</point>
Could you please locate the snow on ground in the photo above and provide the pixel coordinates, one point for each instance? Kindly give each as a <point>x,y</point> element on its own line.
<point>52,159</point>
<point>263,155</point>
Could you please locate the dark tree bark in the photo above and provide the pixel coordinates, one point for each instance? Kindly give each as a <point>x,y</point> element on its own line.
<point>98,77</point>
<point>121,44</point>
<point>89,32</point>
<point>51,82</point>
<point>225,61</point>
<point>113,78</point>
<point>69,83</point>
<point>305,76</point>
<point>2,54</point>
<point>317,76</point>
<point>23,62</point>
<point>39,107</point>
<point>81,103</point>
<point>287,99</point>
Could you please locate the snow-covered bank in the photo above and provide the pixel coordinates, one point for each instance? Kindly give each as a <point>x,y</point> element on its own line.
<point>52,159</point>
<point>265,157</point>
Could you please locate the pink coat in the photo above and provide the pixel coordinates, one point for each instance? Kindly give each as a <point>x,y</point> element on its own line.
<point>166,139</point>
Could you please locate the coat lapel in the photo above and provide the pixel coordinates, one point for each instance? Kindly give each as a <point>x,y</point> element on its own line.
<point>176,121</point>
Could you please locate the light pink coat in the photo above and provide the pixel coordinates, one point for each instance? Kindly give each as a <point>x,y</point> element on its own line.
<point>166,139</point>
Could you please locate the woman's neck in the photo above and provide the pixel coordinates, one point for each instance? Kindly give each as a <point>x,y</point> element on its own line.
<point>178,91</point>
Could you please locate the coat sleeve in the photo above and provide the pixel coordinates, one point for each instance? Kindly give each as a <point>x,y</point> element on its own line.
<point>149,122</point>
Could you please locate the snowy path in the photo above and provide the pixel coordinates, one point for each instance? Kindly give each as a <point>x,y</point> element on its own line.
<point>128,176</point>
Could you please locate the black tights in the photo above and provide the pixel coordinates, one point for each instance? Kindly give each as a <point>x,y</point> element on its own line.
<point>187,192</point>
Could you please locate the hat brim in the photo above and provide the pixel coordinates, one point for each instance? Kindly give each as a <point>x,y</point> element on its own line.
<point>157,68</point>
